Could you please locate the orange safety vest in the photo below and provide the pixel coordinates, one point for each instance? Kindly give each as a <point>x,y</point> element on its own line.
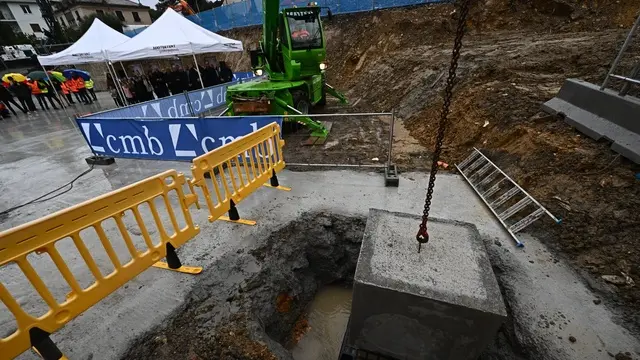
<point>64,88</point>
<point>35,90</point>
<point>80,83</point>
<point>71,85</point>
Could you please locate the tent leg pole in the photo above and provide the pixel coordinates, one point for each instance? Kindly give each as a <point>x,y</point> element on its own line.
<point>119,85</point>
<point>116,83</point>
<point>197,69</point>
<point>123,69</point>
<point>58,96</point>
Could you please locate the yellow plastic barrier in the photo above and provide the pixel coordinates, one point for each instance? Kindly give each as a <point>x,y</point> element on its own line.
<point>237,169</point>
<point>40,236</point>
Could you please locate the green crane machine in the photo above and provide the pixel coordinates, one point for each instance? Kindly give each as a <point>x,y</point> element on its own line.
<point>291,55</point>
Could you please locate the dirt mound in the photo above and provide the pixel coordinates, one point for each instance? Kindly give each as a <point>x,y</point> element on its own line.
<point>515,56</point>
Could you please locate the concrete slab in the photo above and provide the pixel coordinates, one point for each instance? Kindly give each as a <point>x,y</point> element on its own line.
<point>441,303</point>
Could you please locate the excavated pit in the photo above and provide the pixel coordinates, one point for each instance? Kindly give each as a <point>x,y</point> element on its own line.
<point>252,304</point>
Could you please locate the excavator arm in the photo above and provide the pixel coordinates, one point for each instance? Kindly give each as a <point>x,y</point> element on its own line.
<point>271,15</point>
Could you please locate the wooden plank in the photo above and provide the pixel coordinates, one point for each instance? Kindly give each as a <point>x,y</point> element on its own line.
<point>314,140</point>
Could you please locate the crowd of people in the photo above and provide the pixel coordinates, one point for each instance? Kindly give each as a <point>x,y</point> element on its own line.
<point>142,87</point>
<point>51,93</point>
<point>46,92</point>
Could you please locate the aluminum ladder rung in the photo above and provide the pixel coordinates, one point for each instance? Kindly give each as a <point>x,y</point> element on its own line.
<point>494,189</point>
<point>527,220</point>
<point>481,172</point>
<point>504,197</point>
<point>467,161</point>
<point>489,178</point>
<point>515,208</point>
<point>474,166</point>
<point>467,169</point>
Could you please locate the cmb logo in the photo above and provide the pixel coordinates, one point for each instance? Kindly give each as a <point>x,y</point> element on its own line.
<point>177,106</point>
<point>165,139</point>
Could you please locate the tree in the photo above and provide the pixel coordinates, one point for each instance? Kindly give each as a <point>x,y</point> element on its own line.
<point>54,31</point>
<point>9,36</point>
<point>110,20</point>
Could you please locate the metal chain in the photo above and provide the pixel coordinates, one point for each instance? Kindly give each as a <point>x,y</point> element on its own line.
<point>423,235</point>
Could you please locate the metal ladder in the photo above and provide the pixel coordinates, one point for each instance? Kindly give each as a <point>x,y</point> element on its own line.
<point>506,199</point>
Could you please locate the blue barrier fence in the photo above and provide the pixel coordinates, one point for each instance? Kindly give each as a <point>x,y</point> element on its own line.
<point>249,13</point>
<point>179,105</point>
<point>167,139</point>
<point>167,129</point>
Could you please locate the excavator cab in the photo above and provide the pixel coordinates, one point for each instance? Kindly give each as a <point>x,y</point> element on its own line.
<point>302,42</point>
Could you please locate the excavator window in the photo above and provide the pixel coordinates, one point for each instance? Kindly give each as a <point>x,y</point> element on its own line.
<point>304,27</point>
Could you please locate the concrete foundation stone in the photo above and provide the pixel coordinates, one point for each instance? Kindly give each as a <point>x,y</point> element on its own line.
<point>442,303</point>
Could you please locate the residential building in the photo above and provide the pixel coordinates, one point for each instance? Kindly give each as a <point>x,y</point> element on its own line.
<point>23,16</point>
<point>70,12</point>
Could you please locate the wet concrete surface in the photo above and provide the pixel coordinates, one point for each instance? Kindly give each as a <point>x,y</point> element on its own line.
<point>40,153</point>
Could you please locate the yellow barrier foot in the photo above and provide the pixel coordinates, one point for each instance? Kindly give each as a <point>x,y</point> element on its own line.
<point>241,221</point>
<point>194,270</point>
<point>279,187</point>
<point>38,352</point>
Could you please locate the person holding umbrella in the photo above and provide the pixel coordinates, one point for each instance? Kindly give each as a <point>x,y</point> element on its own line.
<point>23,93</point>
<point>7,99</point>
<point>82,90</point>
<point>52,93</point>
<point>88,84</point>
<point>37,92</point>
<point>66,93</point>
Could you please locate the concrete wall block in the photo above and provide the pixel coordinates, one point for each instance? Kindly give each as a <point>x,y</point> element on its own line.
<point>600,114</point>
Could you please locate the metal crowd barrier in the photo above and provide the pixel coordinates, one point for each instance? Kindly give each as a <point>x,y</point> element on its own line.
<point>236,170</point>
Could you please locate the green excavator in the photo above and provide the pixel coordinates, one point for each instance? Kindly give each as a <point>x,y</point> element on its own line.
<point>292,56</point>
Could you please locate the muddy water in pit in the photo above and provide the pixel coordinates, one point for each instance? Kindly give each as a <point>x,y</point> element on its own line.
<point>327,315</point>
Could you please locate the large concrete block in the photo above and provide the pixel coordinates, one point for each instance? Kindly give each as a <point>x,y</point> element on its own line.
<point>442,303</point>
<point>600,114</point>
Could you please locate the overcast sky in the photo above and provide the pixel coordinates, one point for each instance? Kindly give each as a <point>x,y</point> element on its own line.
<point>149,3</point>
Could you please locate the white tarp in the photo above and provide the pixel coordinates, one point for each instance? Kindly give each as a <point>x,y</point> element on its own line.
<point>171,35</point>
<point>89,48</point>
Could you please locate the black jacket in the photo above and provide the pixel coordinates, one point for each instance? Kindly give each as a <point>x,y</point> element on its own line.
<point>210,77</point>
<point>158,81</point>
<point>21,90</point>
<point>178,81</point>
<point>5,94</point>
<point>226,75</point>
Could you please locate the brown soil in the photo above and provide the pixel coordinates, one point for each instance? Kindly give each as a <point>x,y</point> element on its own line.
<point>508,68</point>
<point>515,57</point>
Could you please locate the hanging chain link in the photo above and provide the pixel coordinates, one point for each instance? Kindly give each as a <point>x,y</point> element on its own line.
<point>423,235</point>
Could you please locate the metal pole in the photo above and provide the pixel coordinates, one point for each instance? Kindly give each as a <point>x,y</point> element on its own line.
<point>186,96</point>
<point>625,45</point>
<point>116,83</point>
<point>123,69</point>
<point>197,69</point>
<point>393,121</point>
<point>119,84</point>
<point>61,101</point>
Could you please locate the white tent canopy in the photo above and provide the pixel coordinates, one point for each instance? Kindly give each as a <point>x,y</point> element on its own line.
<point>172,35</point>
<point>89,48</point>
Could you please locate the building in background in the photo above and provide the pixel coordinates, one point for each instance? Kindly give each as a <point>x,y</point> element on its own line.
<point>69,13</point>
<point>23,16</point>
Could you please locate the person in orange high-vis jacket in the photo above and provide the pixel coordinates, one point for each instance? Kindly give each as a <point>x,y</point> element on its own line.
<point>37,92</point>
<point>66,92</point>
<point>82,91</point>
<point>71,84</point>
